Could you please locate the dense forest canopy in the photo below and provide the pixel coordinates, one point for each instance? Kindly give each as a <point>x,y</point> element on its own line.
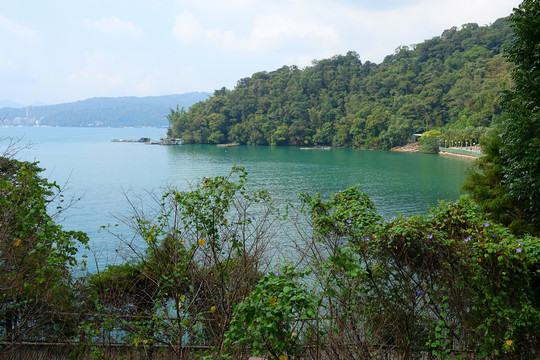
<point>449,81</point>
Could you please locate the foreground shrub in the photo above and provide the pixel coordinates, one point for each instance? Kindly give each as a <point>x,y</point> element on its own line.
<point>37,258</point>
<point>273,320</point>
<point>204,251</point>
<point>446,283</point>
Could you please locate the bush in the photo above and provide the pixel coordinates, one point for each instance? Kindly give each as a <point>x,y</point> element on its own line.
<point>429,141</point>
<point>204,251</point>
<point>446,283</point>
<point>274,318</point>
<point>37,258</point>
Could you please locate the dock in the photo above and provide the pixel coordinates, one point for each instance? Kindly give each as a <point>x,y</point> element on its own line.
<point>145,140</point>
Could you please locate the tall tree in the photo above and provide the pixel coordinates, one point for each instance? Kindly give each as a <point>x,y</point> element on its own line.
<point>520,146</point>
<point>508,185</point>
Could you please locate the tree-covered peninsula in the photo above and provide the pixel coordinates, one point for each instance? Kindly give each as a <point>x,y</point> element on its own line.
<point>450,81</point>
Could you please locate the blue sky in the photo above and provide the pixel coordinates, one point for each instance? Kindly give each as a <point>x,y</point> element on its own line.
<point>58,51</point>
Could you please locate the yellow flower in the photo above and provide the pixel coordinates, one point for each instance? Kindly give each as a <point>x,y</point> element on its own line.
<point>509,342</point>
<point>479,259</point>
<point>273,300</point>
<point>293,334</point>
<point>17,242</point>
<point>183,240</point>
<point>213,308</point>
<point>145,341</point>
<point>201,242</point>
<point>282,357</point>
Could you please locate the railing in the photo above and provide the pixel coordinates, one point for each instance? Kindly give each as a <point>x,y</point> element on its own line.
<point>109,347</point>
<point>474,151</point>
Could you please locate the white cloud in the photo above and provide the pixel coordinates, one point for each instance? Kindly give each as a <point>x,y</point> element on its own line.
<point>205,44</point>
<point>266,31</point>
<point>186,28</point>
<point>113,25</point>
<point>108,74</point>
<point>273,30</point>
<point>5,63</point>
<point>375,33</point>
<point>102,70</point>
<point>11,29</point>
<point>226,8</point>
<point>20,44</point>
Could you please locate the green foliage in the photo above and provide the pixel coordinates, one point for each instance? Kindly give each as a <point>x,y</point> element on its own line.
<point>452,80</point>
<point>464,137</point>
<point>37,257</point>
<point>507,181</point>
<point>204,252</point>
<point>520,146</point>
<point>449,283</point>
<point>430,141</point>
<point>273,318</point>
<point>485,185</point>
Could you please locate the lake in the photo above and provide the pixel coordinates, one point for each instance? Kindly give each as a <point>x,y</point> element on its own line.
<point>101,172</point>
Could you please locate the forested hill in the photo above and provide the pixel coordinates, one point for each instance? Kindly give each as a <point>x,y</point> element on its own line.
<point>103,111</point>
<point>453,80</point>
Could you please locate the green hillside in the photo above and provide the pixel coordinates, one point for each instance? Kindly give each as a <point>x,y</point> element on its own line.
<point>449,81</point>
<point>104,111</point>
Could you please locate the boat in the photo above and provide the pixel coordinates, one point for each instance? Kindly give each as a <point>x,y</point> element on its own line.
<point>167,141</point>
<point>146,140</point>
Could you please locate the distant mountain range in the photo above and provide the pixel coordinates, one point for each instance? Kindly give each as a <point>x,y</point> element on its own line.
<point>103,111</point>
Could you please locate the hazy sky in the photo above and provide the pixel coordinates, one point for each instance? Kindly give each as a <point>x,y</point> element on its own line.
<point>58,51</point>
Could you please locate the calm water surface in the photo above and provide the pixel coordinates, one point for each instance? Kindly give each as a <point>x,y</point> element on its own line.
<point>101,172</point>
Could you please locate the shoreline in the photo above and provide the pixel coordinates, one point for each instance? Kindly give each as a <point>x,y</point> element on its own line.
<point>464,156</point>
<point>414,148</point>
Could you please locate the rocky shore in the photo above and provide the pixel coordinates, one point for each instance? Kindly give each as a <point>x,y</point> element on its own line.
<point>413,147</point>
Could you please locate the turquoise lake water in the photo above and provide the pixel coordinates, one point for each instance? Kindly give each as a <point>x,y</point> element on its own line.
<point>101,172</point>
